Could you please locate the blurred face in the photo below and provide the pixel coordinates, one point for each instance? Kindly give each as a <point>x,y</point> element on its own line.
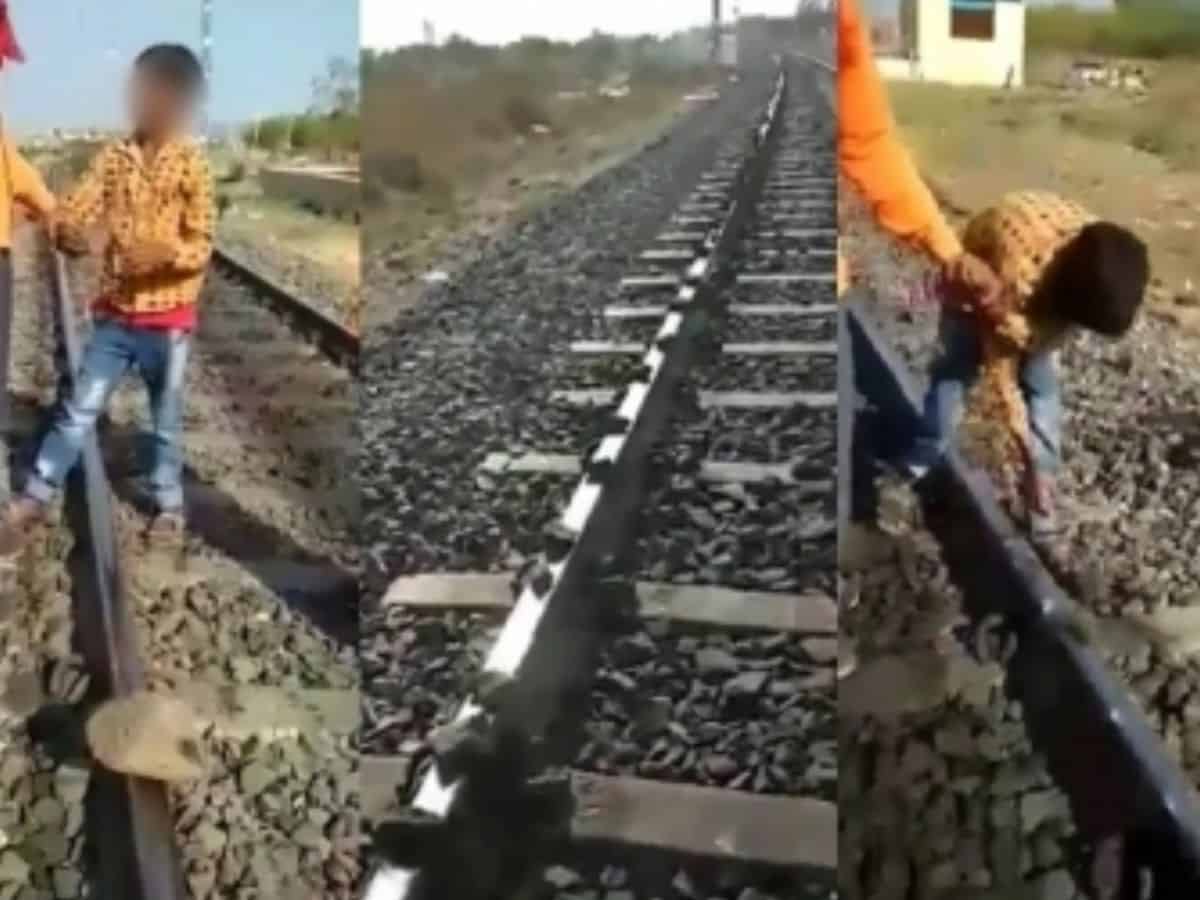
<point>153,105</point>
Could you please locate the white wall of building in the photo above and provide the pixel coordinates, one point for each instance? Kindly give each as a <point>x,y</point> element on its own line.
<point>941,57</point>
<point>893,68</point>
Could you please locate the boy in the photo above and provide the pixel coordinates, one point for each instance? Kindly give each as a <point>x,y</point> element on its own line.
<point>152,194</point>
<point>1060,268</point>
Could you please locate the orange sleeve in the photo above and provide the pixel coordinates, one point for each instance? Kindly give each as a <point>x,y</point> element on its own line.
<point>27,185</point>
<point>870,154</point>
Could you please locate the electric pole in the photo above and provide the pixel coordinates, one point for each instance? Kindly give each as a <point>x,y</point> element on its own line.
<point>206,42</point>
<point>716,32</point>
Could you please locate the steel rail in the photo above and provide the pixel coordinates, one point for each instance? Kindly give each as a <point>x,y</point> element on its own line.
<point>138,859</point>
<point>542,639</point>
<point>337,342</point>
<point>1124,790</point>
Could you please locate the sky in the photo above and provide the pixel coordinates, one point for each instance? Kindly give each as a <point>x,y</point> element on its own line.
<point>78,53</point>
<point>391,23</point>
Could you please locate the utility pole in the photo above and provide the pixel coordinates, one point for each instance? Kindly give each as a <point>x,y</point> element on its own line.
<point>206,45</point>
<point>716,33</point>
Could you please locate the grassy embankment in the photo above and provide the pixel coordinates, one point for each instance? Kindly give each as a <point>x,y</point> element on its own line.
<point>1135,159</point>
<point>461,137</point>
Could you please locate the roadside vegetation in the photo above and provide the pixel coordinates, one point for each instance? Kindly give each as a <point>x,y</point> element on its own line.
<point>441,119</point>
<point>1144,30</point>
<point>330,129</point>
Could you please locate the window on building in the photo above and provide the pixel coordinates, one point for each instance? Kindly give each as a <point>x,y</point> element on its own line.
<point>973,20</point>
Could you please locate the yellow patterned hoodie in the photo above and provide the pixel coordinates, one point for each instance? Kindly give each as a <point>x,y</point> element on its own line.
<point>167,198</point>
<point>1018,237</point>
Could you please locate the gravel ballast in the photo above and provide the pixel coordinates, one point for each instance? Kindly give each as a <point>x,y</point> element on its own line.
<point>469,372</point>
<point>1129,476</point>
<point>277,814</point>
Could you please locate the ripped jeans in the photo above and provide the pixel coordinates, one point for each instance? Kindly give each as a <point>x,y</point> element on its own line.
<point>953,372</point>
<point>161,358</point>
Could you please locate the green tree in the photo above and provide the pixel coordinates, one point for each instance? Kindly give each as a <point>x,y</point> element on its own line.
<point>271,133</point>
<point>343,133</point>
<point>464,53</point>
<point>336,90</point>
<point>600,53</point>
<point>307,133</point>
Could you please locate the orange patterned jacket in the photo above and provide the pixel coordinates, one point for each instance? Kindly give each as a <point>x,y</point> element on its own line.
<point>1018,237</point>
<point>169,198</point>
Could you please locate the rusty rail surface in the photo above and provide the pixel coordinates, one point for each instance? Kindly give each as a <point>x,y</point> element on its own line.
<point>336,341</point>
<point>130,819</point>
<point>1127,796</point>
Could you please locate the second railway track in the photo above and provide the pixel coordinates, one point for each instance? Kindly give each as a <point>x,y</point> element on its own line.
<point>1051,754</point>
<point>684,464</point>
<point>253,622</point>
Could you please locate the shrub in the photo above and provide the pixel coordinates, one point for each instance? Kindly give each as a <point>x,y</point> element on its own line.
<point>402,171</point>
<point>236,173</point>
<point>374,192</point>
<point>522,113</point>
<point>1154,30</point>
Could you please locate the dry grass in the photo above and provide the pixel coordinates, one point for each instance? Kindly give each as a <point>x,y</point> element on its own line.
<point>332,245</point>
<point>1134,161</point>
<point>1149,29</point>
<point>422,135</point>
<point>451,156</point>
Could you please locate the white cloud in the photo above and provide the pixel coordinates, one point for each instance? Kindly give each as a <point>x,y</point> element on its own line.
<point>390,23</point>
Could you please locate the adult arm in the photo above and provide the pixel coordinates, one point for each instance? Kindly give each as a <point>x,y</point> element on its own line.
<point>870,154</point>
<point>29,190</point>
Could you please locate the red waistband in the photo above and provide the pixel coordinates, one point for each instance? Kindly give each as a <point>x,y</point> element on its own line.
<point>182,317</point>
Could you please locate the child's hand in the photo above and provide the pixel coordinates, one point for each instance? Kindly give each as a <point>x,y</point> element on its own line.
<point>150,256</point>
<point>992,307</point>
<point>69,239</point>
<point>970,285</point>
<point>971,273</point>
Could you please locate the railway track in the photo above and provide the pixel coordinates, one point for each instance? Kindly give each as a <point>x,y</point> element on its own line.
<point>252,621</point>
<point>1014,730</point>
<point>652,695</point>
<point>336,341</point>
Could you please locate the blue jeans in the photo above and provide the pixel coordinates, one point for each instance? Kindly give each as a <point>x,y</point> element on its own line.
<point>114,349</point>
<point>954,371</point>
